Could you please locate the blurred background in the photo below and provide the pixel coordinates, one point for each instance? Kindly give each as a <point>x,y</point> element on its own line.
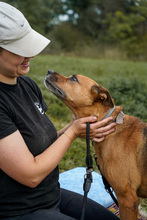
<point>90,28</point>
<point>105,40</point>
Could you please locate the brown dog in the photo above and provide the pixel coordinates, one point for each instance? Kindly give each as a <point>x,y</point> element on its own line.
<point>122,156</point>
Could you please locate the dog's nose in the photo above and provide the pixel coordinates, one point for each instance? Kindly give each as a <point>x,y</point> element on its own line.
<point>50,72</point>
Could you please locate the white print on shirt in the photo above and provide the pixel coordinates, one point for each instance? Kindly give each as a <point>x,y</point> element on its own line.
<point>38,105</point>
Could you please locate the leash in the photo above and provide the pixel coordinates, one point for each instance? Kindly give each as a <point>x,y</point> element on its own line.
<point>88,176</point>
<point>119,120</point>
<point>106,184</point>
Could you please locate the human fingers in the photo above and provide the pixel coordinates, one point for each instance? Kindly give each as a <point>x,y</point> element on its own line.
<point>103,134</point>
<point>98,140</point>
<point>104,129</point>
<point>79,125</point>
<point>100,129</point>
<point>99,137</point>
<point>101,123</point>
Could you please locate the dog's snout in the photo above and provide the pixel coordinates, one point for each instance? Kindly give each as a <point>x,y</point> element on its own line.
<point>51,76</point>
<point>50,72</point>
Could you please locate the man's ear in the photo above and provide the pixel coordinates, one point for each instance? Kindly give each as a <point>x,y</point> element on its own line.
<point>102,94</point>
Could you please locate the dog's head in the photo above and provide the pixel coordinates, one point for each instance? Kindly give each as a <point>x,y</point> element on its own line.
<point>81,94</point>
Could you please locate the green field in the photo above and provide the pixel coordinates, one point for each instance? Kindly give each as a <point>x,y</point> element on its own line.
<point>126,81</point>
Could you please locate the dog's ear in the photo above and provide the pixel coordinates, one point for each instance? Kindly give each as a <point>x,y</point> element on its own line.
<point>102,94</point>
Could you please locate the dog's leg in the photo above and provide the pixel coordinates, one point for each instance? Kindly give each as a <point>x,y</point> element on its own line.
<point>128,206</point>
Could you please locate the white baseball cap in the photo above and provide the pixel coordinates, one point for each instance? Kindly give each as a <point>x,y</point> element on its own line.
<point>16,35</point>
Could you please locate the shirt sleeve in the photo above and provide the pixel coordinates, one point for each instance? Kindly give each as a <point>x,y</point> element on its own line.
<point>7,126</point>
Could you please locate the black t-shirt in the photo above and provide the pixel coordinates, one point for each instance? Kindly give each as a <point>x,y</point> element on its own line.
<point>23,108</point>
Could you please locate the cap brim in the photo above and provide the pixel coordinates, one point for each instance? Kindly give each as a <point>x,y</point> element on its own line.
<point>28,46</point>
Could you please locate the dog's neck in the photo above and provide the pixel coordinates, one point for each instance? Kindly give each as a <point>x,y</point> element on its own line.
<point>110,112</point>
<point>119,117</point>
<point>117,114</point>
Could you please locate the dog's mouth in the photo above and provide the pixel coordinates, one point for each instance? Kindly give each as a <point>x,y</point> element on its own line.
<point>52,87</point>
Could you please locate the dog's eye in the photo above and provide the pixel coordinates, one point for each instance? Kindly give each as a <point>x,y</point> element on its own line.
<point>74,78</point>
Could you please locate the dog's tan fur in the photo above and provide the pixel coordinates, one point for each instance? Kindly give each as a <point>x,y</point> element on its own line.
<point>122,156</point>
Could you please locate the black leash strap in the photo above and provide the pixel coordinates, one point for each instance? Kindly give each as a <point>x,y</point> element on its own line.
<point>88,176</point>
<point>106,184</point>
<point>89,161</point>
<point>109,190</point>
